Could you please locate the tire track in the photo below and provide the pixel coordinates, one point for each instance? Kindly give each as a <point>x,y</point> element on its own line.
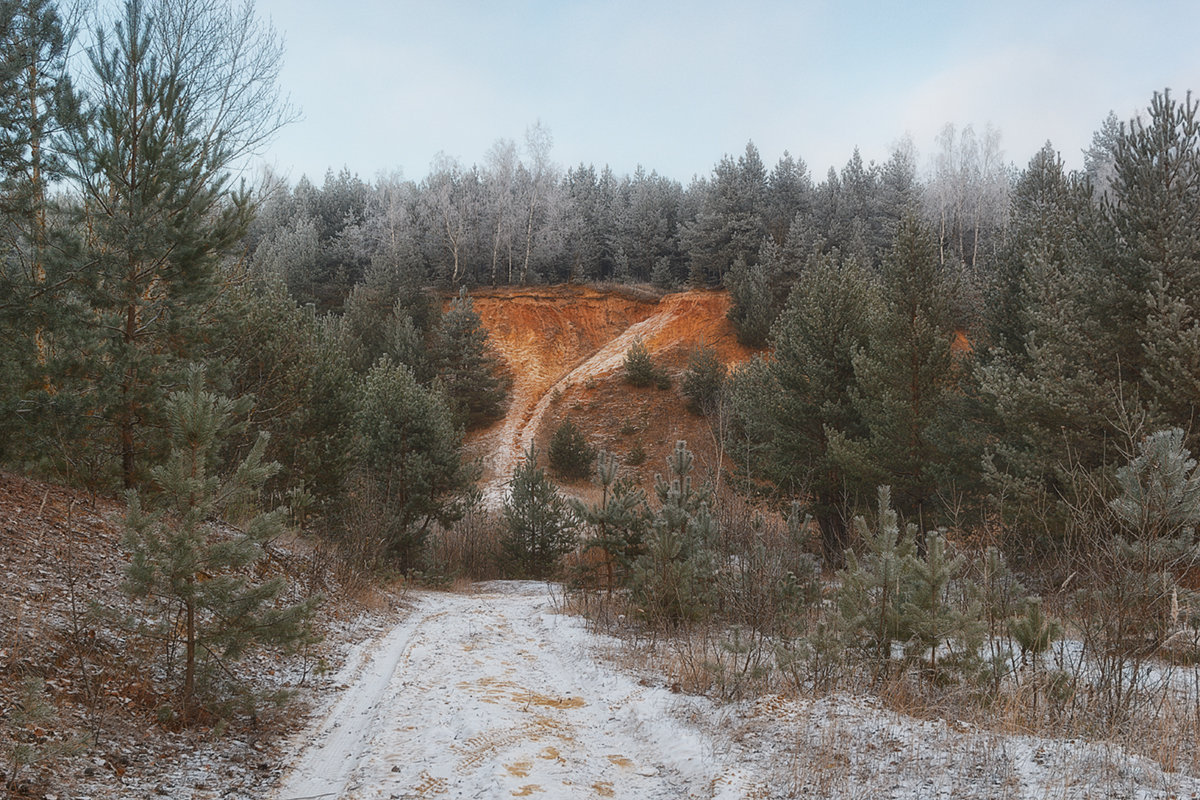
<point>340,739</point>
<point>503,719</point>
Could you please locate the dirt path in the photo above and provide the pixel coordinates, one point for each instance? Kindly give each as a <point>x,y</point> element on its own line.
<point>493,695</point>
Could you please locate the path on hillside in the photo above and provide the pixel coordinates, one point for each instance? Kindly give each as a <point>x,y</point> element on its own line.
<point>492,695</point>
<point>507,444</point>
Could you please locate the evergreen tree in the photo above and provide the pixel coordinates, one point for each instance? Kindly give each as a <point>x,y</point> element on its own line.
<point>945,621</point>
<point>731,222</point>
<point>789,193</point>
<point>192,573</point>
<point>790,406</point>
<point>907,381</point>
<point>751,307</point>
<point>539,525</point>
<point>468,368</point>
<point>1154,209</point>
<point>639,368</point>
<point>703,379</point>
<point>617,522</point>
<point>161,216</point>
<point>291,362</point>
<point>874,589</point>
<point>570,454</point>
<point>39,113</point>
<point>412,454</point>
<point>672,580</point>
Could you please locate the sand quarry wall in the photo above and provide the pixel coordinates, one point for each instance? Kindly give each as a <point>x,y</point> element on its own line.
<point>564,347</point>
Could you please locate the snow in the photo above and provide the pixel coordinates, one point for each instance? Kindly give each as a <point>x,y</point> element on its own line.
<point>494,694</point>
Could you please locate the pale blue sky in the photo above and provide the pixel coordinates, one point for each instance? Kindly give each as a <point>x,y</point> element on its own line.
<point>673,86</point>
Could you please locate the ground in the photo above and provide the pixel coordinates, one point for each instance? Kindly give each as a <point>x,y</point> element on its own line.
<point>493,693</point>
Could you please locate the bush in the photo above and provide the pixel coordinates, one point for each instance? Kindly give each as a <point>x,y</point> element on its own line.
<point>539,526</point>
<point>570,454</point>
<point>702,380</point>
<point>639,368</point>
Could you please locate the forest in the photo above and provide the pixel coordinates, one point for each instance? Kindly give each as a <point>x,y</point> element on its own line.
<point>967,372</point>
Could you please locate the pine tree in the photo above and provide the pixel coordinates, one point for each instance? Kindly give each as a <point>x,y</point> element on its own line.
<point>262,344</point>
<point>874,589</point>
<point>1153,207</point>
<point>161,214</point>
<point>570,454</point>
<point>944,621</point>
<point>1050,383</point>
<point>672,580</point>
<point>39,115</point>
<point>703,379</point>
<point>751,308</point>
<point>192,573</point>
<point>617,522</point>
<point>539,525</point>
<point>412,453</point>
<point>907,382</point>
<point>790,406</point>
<point>639,368</point>
<point>469,369</point>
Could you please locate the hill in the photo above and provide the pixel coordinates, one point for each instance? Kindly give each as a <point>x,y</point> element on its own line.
<point>565,347</point>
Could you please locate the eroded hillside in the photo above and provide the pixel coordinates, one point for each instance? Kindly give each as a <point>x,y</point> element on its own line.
<point>565,347</point>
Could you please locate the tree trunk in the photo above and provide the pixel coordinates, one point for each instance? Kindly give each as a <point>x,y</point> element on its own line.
<point>189,664</point>
<point>128,418</point>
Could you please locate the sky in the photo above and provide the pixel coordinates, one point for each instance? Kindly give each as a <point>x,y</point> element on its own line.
<point>384,86</point>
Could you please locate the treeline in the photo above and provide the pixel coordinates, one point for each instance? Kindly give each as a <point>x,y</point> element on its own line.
<point>518,220</point>
<point>1002,396</point>
<point>121,274</point>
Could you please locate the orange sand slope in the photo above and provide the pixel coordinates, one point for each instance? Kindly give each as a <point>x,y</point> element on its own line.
<point>556,340</point>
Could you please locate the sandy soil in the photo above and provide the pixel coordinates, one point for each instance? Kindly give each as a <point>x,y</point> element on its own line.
<point>559,341</point>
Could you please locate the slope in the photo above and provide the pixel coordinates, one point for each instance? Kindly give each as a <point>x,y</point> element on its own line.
<point>565,347</point>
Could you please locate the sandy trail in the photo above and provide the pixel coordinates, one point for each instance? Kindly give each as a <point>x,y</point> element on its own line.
<point>493,695</point>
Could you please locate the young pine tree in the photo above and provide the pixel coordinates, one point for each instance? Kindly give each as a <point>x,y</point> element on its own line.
<point>639,368</point>
<point>672,580</point>
<point>539,525</point>
<point>703,379</point>
<point>471,372</point>
<point>617,523</point>
<point>874,589</point>
<point>570,454</point>
<point>193,575</point>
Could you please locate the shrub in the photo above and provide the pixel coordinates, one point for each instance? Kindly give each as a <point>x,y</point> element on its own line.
<point>702,380</point>
<point>639,368</point>
<point>570,454</point>
<point>539,526</point>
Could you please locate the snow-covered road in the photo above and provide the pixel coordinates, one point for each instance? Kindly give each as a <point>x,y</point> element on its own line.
<point>493,694</point>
